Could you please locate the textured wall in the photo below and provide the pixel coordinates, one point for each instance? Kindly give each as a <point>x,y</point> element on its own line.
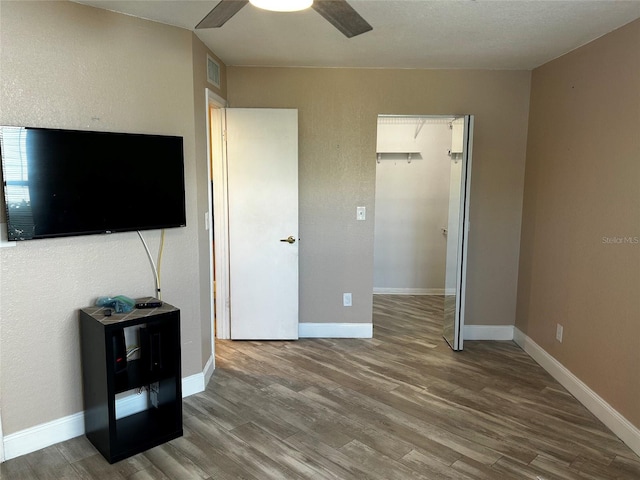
<point>71,66</point>
<point>580,260</point>
<point>338,110</point>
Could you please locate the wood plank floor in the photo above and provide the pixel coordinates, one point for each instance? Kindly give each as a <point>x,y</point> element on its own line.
<point>399,406</point>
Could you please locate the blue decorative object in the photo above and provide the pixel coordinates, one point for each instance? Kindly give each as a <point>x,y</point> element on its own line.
<point>119,303</point>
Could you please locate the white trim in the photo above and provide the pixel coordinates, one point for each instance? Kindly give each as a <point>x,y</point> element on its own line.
<point>209,103</point>
<point>208,369</point>
<point>488,332</point>
<point>215,99</point>
<point>625,430</point>
<point>193,384</point>
<point>335,330</point>
<point>408,291</point>
<point>221,229</point>
<point>521,339</point>
<point>212,100</point>
<point>1,440</point>
<point>65,428</point>
<point>43,435</point>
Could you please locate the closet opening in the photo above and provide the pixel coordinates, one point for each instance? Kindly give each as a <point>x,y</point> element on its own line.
<point>421,216</point>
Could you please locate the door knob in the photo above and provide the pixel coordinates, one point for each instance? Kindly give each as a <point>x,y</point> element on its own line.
<point>289,239</point>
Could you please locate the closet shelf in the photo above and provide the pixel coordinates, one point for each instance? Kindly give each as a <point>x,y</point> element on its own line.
<point>394,155</point>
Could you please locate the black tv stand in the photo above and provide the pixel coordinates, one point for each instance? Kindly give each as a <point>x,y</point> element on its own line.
<point>153,370</point>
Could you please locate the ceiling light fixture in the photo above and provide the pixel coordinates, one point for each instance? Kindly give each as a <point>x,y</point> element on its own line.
<point>282,5</point>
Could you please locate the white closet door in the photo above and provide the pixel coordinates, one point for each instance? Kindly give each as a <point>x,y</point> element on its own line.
<point>457,241</point>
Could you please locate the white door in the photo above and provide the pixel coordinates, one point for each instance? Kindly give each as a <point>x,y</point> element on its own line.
<point>262,162</point>
<point>457,240</point>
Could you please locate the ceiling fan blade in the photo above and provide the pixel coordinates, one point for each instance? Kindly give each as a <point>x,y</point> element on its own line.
<point>222,12</point>
<point>342,16</point>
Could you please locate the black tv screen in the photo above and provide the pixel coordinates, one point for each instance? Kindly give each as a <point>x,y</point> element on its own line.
<point>68,182</point>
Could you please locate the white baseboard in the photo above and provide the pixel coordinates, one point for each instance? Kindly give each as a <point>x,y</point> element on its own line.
<point>193,384</point>
<point>522,339</point>
<point>43,435</point>
<point>56,431</point>
<point>208,369</point>
<point>488,332</point>
<point>408,291</point>
<point>335,330</point>
<point>625,430</point>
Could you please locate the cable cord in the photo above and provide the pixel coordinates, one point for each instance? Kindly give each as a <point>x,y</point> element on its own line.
<point>153,266</point>
<point>132,350</point>
<point>159,262</point>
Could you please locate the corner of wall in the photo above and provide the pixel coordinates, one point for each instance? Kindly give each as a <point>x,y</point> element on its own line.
<point>199,58</point>
<point>615,421</point>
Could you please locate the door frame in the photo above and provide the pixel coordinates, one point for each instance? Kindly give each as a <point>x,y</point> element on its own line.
<point>463,243</point>
<point>218,222</point>
<point>1,438</point>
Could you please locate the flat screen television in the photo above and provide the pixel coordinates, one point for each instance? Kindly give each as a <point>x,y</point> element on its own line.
<point>67,182</point>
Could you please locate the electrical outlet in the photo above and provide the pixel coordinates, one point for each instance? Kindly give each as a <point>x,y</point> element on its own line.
<point>559,331</point>
<point>346,299</point>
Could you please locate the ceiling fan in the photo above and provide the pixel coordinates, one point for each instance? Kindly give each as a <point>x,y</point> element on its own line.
<point>337,12</point>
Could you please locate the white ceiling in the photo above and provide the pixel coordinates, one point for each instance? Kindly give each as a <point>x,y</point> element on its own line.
<point>481,34</point>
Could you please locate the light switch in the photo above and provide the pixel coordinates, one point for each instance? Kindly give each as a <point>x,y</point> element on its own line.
<point>361,213</point>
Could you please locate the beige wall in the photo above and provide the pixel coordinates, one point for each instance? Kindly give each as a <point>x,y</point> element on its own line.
<point>582,188</point>
<point>71,66</point>
<point>338,110</point>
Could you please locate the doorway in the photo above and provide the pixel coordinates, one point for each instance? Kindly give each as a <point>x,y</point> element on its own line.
<point>255,208</point>
<point>421,227</point>
<point>218,242</point>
